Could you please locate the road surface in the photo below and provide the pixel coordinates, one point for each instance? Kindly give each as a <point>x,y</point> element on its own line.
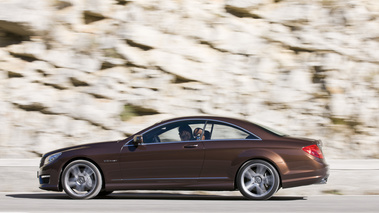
<point>174,202</point>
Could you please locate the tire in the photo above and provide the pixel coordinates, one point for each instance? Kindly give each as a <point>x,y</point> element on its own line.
<point>258,180</point>
<point>81,180</point>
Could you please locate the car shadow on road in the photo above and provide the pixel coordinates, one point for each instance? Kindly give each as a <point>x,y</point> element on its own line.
<point>151,196</point>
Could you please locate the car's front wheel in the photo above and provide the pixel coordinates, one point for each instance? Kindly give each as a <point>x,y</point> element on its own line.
<point>81,179</point>
<point>257,180</point>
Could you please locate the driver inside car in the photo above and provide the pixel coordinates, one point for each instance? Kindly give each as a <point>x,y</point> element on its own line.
<point>185,133</point>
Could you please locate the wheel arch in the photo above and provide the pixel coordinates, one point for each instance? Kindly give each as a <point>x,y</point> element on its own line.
<point>262,159</point>
<point>265,155</point>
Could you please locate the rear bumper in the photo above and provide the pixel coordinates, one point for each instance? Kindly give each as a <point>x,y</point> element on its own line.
<point>324,180</point>
<point>319,175</point>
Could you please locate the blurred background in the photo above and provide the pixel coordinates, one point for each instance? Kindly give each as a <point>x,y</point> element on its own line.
<point>79,71</point>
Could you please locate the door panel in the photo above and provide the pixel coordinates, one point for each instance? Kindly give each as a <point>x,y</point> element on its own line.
<point>159,161</point>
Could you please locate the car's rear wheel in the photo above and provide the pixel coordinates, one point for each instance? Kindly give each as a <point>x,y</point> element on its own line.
<point>81,179</point>
<point>257,180</point>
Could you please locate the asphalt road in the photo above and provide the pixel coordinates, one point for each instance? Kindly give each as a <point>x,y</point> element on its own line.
<point>172,202</point>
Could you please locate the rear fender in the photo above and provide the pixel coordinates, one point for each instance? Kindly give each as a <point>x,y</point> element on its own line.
<point>263,154</point>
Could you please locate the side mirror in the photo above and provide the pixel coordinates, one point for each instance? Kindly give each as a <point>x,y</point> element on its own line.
<point>138,139</point>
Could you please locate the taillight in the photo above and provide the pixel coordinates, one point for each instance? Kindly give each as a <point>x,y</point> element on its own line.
<point>314,151</point>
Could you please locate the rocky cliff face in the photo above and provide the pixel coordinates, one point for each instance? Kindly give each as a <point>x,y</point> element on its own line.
<point>91,70</point>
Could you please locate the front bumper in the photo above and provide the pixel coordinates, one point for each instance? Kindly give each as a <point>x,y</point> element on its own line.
<point>43,179</point>
<point>48,178</point>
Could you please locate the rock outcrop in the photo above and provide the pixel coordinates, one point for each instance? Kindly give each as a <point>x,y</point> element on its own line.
<point>90,70</point>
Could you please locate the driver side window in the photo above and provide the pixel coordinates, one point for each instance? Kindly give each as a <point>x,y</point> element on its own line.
<point>179,131</point>
<point>169,136</point>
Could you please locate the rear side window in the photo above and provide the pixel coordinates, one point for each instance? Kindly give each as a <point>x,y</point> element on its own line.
<point>225,132</point>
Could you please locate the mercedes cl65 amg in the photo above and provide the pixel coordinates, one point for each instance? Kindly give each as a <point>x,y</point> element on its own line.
<point>188,153</point>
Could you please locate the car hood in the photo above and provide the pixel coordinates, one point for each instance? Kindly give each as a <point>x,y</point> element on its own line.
<point>78,147</point>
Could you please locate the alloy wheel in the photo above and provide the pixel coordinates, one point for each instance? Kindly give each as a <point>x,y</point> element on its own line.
<point>258,180</point>
<point>81,180</point>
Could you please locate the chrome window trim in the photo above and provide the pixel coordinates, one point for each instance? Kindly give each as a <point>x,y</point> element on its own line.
<point>205,121</point>
<point>194,141</point>
<point>145,144</point>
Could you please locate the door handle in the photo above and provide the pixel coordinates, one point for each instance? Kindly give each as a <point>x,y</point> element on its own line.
<point>191,146</point>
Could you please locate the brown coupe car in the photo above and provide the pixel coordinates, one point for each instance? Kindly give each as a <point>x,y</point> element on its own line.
<point>188,153</point>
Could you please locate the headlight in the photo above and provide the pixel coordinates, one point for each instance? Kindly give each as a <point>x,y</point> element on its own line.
<point>52,158</point>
